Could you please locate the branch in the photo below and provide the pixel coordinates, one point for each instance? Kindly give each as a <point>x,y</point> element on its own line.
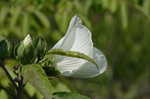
<point>8,74</point>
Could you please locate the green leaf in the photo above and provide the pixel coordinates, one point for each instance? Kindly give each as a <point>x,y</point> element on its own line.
<point>15,13</point>
<point>4,94</point>
<point>72,54</point>
<point>65,95</point>
<point>3,15</point>
<point>35,75</point>
<point>146,6</point>
<point>40,46</point>
<point>42,18</point>
<point>124,14</point>
<point>113,5</point>
<point>25,23</point>
<point>4,48</point>
<point>105,3</point>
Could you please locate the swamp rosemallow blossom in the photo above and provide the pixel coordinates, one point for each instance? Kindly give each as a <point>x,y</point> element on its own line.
<point>78,38</point>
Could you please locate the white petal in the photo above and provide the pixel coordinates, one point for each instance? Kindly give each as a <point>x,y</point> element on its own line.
<point>100,60</point>
<point>58,44</point>
<point>74,21</point>
<point>67,41</point>
<point>88,69</point>
<point>83,41</point>
<point>77,38</point>
<point>67,65</point>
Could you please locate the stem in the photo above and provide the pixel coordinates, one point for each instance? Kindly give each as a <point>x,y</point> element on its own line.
<point>19,87</point>
<point>7,73</point>
<point>19,80</point>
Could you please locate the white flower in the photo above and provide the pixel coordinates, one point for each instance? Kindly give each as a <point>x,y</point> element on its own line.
<point>78,38</point>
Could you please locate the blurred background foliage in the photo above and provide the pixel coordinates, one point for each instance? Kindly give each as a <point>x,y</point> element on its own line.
<point>120,28</point>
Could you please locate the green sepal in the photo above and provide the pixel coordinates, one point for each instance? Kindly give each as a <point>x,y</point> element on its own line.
<point>40,46</point>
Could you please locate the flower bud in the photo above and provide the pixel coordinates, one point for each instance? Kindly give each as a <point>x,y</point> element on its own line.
<point>25,51</point>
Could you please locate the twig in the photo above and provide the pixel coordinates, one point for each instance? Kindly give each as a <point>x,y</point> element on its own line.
<point>19,80</point>
<point>20,88</point>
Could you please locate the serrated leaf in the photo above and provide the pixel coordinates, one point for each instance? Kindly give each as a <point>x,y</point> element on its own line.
<point>35,75</point>
<point>72,54</point>
<point>65,95</point>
